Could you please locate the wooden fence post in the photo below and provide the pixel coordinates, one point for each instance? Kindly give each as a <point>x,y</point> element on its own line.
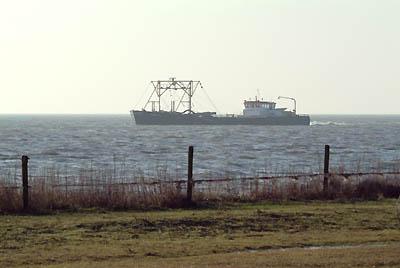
<point>326,169</point>
<point>190,175</point>
<point>25,185</point>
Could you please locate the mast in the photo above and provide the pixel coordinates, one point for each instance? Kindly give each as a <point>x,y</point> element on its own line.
<point>159,96</point>
<point>190,96</point>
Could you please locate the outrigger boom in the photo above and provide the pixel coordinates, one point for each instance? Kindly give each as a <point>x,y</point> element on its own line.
<point>187,87</point>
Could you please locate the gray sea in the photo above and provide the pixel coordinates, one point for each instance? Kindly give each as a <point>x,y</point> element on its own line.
<point>70,143</point>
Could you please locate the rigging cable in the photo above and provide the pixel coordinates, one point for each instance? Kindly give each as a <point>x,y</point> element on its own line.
<point>209,99</point>
<point>143,94</point>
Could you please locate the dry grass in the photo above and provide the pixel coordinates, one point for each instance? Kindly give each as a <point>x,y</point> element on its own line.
<point>51,191</point>
<point>44,196</point>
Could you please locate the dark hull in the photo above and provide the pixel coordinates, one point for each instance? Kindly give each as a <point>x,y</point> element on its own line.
<point>168,118</point>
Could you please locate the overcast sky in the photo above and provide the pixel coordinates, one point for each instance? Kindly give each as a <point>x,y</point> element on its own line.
<point>99,56</point>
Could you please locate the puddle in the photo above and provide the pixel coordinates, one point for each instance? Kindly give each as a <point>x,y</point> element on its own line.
<point>283,249</point>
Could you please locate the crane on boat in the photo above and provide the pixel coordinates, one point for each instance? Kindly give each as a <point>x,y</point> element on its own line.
<point>290,98</point>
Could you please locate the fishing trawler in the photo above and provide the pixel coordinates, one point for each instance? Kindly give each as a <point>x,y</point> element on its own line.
<point>255,112</point>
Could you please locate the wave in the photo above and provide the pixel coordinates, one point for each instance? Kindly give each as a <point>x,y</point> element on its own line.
<point>328,123</point>
<point>49,152</point>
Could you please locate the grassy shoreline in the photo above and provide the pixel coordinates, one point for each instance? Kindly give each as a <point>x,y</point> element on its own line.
<point>52,193</point>
<point>236,234</point>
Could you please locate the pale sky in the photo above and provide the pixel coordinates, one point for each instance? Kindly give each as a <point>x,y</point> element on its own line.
<point>98,56</point>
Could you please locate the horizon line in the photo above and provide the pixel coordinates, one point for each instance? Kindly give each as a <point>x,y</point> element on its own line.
<point>127,114</point>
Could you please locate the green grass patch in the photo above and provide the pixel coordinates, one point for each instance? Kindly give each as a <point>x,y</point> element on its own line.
<point>211,236</point>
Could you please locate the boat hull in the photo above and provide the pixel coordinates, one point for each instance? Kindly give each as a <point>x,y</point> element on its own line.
<point>174,118</point>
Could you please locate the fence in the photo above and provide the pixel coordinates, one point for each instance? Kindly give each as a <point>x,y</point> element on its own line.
<point>231,185</point>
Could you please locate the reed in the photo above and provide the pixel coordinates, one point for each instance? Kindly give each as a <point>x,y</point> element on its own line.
<point>101,189</point>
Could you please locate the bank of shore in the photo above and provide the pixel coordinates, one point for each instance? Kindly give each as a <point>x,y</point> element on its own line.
<point>271,234</point>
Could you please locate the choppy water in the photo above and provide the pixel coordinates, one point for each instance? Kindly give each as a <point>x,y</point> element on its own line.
<point>70,142</point>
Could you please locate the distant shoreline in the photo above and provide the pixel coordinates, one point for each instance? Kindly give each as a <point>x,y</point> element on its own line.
<point>127,114</point>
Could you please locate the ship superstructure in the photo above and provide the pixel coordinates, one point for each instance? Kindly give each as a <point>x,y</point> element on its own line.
<point>259,108</point>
